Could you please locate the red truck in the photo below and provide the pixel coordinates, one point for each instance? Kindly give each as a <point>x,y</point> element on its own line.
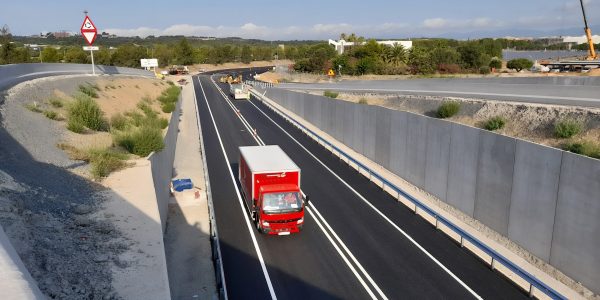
<point>270,183</point>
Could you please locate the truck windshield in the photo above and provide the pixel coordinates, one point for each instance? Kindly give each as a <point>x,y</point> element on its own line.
<point>277,203</point>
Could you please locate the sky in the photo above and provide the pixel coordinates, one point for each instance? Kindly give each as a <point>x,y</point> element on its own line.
<point>307,19</point>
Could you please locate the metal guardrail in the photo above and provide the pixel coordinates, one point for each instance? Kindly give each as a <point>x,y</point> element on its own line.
<point>496,257</point>
<point>262,84</point>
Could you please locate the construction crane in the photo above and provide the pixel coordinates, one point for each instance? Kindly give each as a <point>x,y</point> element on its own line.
<point>588,32</point>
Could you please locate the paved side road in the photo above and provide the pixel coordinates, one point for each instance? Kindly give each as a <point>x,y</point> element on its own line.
<point>515,89</point>
<point>187,236</point>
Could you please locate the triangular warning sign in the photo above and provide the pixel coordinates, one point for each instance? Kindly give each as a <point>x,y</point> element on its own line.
<point>89,37</point>
<point>87,24</point>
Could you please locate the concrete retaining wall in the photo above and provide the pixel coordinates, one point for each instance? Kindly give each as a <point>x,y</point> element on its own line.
<point>544,199</point>
<point>162,165</point>
<point>15,280</point>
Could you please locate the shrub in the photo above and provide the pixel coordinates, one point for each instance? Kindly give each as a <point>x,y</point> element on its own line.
<point>583,148</point>
<point>86,111</point>
<point>75,125</point>
<point>449,68</point>
<point>330,94</point>
<point>163,123</point>
<point>448,109</point>
<point>567,128</point>
<point>519,64</point>
<point>148,111</point>
<point>484,70</point>
<point>89,90</point>
<point>141,141</point>
<point>106,161</point>
<point>56,102</point>
<point>118,122</point>
<point>168,107</point>
<point>495,63</point>
<point>363,101</point>
<point>50,114</point>
<point>171,83</point>
<point>34,107</point>
<point>494,123</point>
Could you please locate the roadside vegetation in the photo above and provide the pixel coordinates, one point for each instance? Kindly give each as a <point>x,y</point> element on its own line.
<point>448,109</point>
<point>494,123</point>
<point>586,148</point>
<point>567,128</point>
<point>103,161</point>
<point>330,94</point>
<point>83,113</point>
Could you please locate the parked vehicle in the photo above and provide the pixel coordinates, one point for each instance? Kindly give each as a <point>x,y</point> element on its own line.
<point>270,183</point>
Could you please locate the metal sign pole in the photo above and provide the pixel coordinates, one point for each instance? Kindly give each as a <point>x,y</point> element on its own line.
<point>93,67</point>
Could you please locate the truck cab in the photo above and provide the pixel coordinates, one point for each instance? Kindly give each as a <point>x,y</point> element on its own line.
<point>280,209</point>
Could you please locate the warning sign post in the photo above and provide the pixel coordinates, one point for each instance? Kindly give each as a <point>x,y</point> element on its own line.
<point>89,32</point>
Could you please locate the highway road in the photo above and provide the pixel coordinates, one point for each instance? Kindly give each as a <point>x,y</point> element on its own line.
<point>573,91</point>
<point>357,243</point>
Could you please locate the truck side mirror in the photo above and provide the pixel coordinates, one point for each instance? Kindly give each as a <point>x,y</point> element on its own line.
<point>306,200</point>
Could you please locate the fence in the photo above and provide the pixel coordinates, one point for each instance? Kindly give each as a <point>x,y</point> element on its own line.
<point>544,199</point>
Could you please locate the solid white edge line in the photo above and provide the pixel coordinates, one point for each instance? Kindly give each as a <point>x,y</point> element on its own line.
<point>314,216</point>
<point>378,211</point>
<point>208,190</point>
<point>237,191</point>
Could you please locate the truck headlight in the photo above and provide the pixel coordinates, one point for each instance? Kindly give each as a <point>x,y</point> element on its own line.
<point>300,221</point>
<point>265,223</point>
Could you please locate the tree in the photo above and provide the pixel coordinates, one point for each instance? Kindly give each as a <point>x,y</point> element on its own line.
<point>519,64</point>
<point>103,57</point>
<point>76,55</point>
<point>128,55</point>
<point>246,55</point>
<point>471,56</point>
<point>7,49</point>
<point>495,63</point>
<point>396,55</point>
<point>184,53</point>
<point>50,54</point>
<point>164,54</point>
<point>419,61</point>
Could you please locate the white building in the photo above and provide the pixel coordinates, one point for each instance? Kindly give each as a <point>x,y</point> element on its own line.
<point>342,44</point>
<point>580,39</point>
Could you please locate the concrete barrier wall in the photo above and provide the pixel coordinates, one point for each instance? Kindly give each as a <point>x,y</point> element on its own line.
<point>542,198</point>
<point>15,280</point>
<point>162,165</point>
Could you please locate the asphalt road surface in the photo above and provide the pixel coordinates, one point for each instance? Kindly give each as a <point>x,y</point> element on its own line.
<point>357,243</point>
<point>548,90</point>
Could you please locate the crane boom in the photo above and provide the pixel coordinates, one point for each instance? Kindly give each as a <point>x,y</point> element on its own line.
<point>588,32</point>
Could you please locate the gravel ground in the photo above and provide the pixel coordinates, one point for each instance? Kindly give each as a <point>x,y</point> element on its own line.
<point>45,209</point>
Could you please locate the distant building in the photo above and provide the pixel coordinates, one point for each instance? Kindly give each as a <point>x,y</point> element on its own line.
<point>580,39</point>
<point>61,34</point>
<point>341,45</point>
<point>106,35</point>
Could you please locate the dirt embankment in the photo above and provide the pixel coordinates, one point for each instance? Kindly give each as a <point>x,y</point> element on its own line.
<point>528,121</point>
<point>47,202</point>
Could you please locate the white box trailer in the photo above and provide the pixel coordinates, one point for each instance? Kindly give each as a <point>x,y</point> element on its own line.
<point>239,91</point>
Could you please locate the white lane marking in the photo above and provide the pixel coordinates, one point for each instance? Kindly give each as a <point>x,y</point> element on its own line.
<point>239,114</point>
<point>360,279</point>
<point>592,100</point>
<point>376,210</point>
<point>237,192</point>
<point>208,191</point>
<point>362,282</point>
